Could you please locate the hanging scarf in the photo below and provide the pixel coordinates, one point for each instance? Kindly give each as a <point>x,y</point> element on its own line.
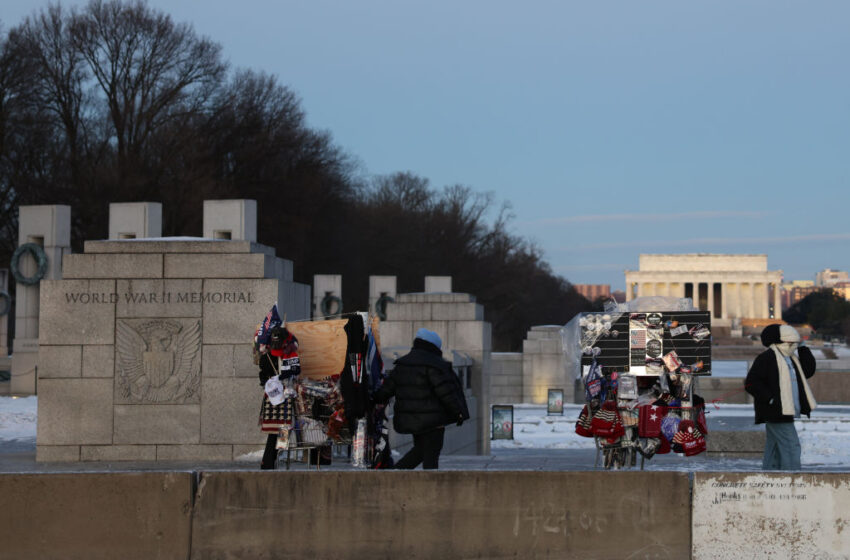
<point>785,395</point>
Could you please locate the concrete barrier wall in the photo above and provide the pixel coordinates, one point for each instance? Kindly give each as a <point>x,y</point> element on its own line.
<point>831,386</point>
<point>96,515</point>
<point>828,387</point>
<point>770,515</point>
<point>454,514</point>
<point>725,390</point>
<point>473,514</point>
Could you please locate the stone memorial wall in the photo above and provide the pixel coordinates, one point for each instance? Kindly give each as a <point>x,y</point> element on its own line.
<point>145,349</point>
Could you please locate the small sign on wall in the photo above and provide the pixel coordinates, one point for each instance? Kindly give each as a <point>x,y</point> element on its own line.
<point>555,402</point>
<point>503,421</point>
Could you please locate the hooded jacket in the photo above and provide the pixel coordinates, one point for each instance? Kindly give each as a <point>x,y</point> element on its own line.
<point>763,380</point>
<point>425,389</point>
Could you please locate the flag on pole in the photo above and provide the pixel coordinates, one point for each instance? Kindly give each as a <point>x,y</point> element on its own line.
<point>272,320</point>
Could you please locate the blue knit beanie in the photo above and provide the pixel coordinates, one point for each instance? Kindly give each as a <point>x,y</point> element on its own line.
<point>430,336</point>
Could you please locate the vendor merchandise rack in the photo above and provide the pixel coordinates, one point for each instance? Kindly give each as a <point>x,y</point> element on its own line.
<point>646,346</point>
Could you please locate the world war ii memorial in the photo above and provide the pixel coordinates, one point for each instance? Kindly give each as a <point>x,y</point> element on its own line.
<point>575,328</point>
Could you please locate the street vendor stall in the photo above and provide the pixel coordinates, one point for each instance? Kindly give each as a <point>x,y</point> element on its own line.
<point>638,364</point>
<point>327,401</point>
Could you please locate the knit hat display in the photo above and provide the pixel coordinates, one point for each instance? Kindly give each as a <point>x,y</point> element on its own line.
<point>650,417</point>
<point>430,336</point>
<point>606,422</point>
<point>664,448</point>
<point>688,439</point>
<point>583,423</point>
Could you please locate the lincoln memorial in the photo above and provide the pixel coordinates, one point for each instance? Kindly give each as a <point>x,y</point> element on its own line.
<point>729,286</point>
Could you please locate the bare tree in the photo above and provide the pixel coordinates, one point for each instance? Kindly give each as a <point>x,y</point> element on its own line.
<point>151,71</point>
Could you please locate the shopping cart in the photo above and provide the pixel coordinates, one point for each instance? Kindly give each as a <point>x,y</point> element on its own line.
<point>304,435</point>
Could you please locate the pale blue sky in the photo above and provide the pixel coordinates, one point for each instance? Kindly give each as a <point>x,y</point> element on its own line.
<point>614,128</point>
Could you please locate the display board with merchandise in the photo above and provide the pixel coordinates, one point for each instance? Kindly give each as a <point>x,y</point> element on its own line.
<point>638,370</point>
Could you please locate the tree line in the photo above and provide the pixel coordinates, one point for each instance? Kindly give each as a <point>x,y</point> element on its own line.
<point>825,310</point>
<point>116,102</point>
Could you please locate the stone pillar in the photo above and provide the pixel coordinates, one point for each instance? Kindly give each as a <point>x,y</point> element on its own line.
<point>438,284</point>
<point>327,287</point>
<point>765,300</point>
<point>724,296</point>
<point>630,286</point>
<point>231,219</point>
<point>135,220</point>
<point>544,365</point>
<point>381,286</point>
<point>751,304</point>
<point>739,313</point>
<point>777,301</point>
<point>710,286</point>
<point>50,227</point>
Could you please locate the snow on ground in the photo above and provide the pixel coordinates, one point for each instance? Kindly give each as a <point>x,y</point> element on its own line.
<point>825,438</point>
<point>534,429</point>
<point>728,368</point>
<point>18,419</point>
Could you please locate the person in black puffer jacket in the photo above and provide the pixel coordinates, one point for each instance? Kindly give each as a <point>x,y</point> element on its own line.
<point>427,398</point>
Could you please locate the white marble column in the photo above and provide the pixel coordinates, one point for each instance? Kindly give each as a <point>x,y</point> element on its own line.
<point>764,299</point>
<point>777,300</point>
<point>710,298</point>
<point>751,304</point>
<point>724,305</point>
<point>738,294</point>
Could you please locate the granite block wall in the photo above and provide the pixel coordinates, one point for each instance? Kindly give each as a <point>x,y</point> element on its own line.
<point>145,349</point>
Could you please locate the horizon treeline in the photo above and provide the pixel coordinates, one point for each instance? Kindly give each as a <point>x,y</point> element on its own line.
<point>116,102</point>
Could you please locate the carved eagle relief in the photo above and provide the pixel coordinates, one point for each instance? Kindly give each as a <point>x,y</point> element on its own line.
<point>158,360</point>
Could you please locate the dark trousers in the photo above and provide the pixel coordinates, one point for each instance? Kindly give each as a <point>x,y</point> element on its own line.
<point>426,450</point>
<point>270,454</point>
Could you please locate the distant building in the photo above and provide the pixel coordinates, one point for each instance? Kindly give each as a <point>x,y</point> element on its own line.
<point>830,277</point>
<point>729,286</point>
<point>798,293</point>
<point>794,291</point>
<point>594,291</point>
<point>842,289</point>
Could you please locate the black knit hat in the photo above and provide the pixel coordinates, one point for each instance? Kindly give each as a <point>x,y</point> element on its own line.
<point>770,335</point>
